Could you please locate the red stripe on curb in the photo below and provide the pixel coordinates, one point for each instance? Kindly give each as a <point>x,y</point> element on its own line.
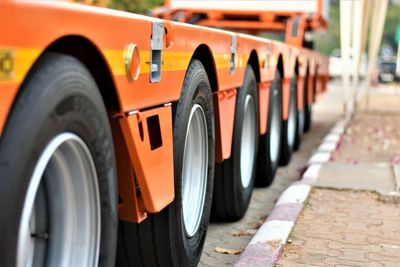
<point>285,212</point>
<point>259,255</point>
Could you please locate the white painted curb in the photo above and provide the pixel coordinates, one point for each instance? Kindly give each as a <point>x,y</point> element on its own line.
<point>311,174</point>
<point>295,194</point>
<point>319,158</point>
<point>327,147</point>
<point>271,231</point>
<point>278,231</point>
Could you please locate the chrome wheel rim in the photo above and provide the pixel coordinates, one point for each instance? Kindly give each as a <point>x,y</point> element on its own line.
<point>60,221</point>
<point>302,113</point>
<point>275,128</point>
<point>291,131</point>
<point>301,121</point>
<point>248,141</point>
<point>194,170</point>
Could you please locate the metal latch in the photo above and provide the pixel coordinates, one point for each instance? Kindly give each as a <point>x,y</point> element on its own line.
<point>156,45</point>
<point>267,63</point>
<point>232,64</point>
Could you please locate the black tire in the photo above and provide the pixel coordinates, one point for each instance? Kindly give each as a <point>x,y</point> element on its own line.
<point>231,196</point>
<point>162,240</point>
<point>290,126</point>
<point>178,16</point>
<point>181,16</point>
<point>301,117</point>
<point>195,18</point>
<point>267,165</point>
<point>308,111</point>
<point>58,96</point>
<point>308,44</point>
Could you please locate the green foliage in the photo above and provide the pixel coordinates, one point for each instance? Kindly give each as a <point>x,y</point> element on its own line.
<point>325,42</point>
<point>135,6</point>
<point>392,20</point>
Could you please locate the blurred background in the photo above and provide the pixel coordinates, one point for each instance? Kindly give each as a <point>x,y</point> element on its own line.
<point>325,42</point>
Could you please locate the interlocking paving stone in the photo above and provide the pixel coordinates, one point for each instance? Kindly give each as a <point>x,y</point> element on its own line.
<point>366,233</point>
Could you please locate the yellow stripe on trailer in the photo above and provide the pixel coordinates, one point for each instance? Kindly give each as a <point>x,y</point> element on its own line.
<point>15,63</point>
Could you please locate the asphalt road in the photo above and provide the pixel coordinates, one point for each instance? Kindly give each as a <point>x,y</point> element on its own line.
<point>237,235</point>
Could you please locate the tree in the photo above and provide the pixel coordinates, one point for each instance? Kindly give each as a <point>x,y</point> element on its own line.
<point>135,6</point>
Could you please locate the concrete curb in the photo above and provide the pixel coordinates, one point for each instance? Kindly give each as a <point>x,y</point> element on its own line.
<point>266,246</point>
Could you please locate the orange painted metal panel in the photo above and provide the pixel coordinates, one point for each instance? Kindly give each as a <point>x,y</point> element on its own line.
<point>285,98</point>
<point>131,207</point>
<point>300,93</point>
<point>264,50</point>
<point>263,95</point>
<point>325,80</point>
<point>310,89</point>
<point>153,167</point>
<point>219,43</point>
<point>244,25</point>
<point>224,109</point>
<point>302,60</point>
<point>318,86</point>
<point>302,23</point>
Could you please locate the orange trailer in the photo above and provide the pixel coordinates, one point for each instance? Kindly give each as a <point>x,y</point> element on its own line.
<point>294,18</point>
<point>114,125</point>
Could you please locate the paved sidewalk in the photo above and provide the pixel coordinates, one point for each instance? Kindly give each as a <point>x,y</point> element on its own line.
<point>352,216</point>
<point>345,228</point>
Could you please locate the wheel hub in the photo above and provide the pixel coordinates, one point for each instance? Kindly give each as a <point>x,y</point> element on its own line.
<point>60,222</point>
<point>248,141</point>
<point>291,130</point>
<point>194,170</point>
<point>275,128</point>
